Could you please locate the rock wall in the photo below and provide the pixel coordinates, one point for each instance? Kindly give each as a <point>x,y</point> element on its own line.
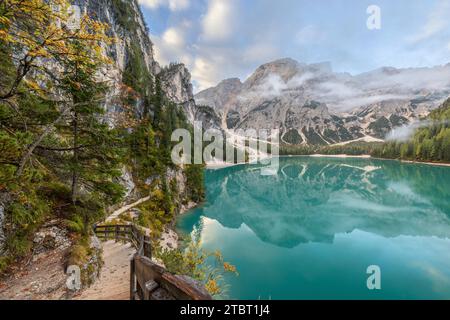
<point>2,234</point>
<point>128,27</point>
<point>176,83</point>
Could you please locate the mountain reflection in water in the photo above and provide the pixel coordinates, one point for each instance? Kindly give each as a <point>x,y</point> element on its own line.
<point>311,231</point>
<point>311,200</point>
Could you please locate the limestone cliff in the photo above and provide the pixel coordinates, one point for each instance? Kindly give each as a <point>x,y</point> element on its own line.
<point>133,50</point>
<point>176,83</point>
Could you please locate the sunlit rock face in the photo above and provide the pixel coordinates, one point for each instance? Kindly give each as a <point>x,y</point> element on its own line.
<point>221,98</point>
<point>177,85</point>
<point>131,34</point>
<point>122,27</point>
<point>128,28</point>
<point>313,105</point>
<point>312,200</point>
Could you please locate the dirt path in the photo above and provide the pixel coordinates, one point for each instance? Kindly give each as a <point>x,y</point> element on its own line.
<point>126,208</point>
<point>43,279</point>
<point>114,281</point>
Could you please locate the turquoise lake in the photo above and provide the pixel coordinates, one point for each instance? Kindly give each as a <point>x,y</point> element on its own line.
<point>311,230</point>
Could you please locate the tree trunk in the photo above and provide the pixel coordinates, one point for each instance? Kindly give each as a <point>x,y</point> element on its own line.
<point>49,129</point>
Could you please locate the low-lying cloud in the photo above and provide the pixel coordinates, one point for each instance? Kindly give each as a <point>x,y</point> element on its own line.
<point>274,86</point>
<point>340,97</point>
<point>406,132</point>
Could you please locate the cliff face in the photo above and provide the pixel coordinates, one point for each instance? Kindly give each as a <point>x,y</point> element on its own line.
<point>176,83</point>
<point>128,28</point>
<point>2,236</point>
<point>133,50</point>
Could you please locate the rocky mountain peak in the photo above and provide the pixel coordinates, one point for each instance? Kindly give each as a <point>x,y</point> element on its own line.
<point>218,98</point>
<point>176,83</point>
<point>231,84</point>
<point>283,68</point>
<point>284,63</point>
<point>311,104</point>
<point>287,69</point>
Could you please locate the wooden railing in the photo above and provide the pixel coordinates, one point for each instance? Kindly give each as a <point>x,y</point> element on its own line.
<point>149,281</point>
<point>127,233</point>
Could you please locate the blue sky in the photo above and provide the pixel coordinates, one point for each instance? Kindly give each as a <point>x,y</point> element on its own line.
<point>219,39</point>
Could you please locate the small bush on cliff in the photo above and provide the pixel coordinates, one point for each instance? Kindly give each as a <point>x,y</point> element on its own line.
<point>191,260</point>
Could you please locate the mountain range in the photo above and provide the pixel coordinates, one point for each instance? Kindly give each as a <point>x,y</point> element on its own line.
<point>313,105</point>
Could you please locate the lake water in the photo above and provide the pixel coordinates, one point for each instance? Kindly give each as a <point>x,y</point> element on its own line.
<point>312,230</point>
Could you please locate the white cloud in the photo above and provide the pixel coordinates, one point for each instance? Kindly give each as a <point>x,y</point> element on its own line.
<point>171,46</point>
<point>437,22</point>
<point>309,34</point>
<point>274,86</point>
<point>448,46</point>
<point>173,5</point>
<point>205,73</point>
<point>405,132</point>
<point>173,37</point>
<point>204,62</point>
<point>218,21</point>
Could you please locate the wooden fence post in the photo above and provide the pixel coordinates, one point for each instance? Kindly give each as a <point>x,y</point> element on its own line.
<point>132,280</point>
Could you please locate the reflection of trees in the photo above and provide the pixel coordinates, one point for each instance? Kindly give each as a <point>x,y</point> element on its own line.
<point>314,199</point>
<point>432,181</point>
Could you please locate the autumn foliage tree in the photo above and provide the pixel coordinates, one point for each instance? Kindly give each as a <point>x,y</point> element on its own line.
<point>56,149</point>
<point>36,37</point>
<point>60,152</point>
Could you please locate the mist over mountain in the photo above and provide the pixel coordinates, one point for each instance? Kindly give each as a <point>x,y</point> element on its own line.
<point>312,104</point>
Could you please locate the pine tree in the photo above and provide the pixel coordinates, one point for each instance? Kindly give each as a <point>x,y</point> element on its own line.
<point>91,152</point>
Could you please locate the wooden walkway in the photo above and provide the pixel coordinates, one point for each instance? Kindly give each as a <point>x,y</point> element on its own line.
<point>130,273</point>
<point>114,281</point>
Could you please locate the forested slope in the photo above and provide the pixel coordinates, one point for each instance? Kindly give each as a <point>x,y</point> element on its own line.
<point>431,142</point>
<point>84,124</point>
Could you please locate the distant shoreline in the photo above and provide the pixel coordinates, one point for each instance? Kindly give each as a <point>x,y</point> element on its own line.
<point>222,165</point>
<point>364,156</point>
<point>439,164</point>
<point>367,156</point>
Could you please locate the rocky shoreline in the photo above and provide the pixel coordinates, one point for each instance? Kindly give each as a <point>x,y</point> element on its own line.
<point>170,238</point>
